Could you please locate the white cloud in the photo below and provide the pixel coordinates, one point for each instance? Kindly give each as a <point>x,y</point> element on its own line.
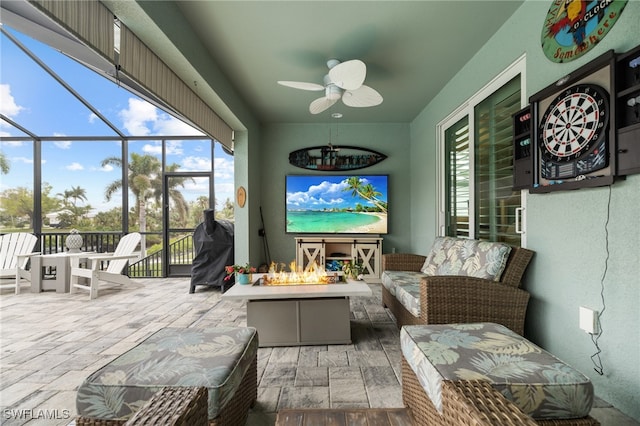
<point>12,144</point>
<point>197,185</point>
<point>326,188</point>
<point>143,119</point>
<point>169,126</point>
<point>195,163</point>
<point>224,191</point>
<point>223,168</point>
<point>136,117</point>
<point>325,194</point>
<point>24,160</point>
<point>8,105</point>
<point>74,166</point>
<point>63,144</point>
<point>305,199</point>
<point>154,148</point>
<point>174,147</point>
<point>92,118</point>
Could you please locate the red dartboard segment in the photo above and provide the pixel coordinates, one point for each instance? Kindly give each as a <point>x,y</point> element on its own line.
<point>574,122</point>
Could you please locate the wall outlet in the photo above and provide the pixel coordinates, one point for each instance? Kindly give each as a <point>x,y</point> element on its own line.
<point>588,320</point>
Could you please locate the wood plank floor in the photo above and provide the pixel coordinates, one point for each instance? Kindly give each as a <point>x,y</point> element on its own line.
<point>345,417</point>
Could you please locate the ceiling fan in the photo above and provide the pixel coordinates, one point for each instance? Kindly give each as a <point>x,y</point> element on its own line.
<point>344,81</point>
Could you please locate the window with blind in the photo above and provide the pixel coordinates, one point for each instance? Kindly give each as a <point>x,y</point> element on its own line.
<point>457,178</point>
<point>479,200</point>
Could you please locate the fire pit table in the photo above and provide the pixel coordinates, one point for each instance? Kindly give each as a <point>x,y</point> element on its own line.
<point>299,314</point>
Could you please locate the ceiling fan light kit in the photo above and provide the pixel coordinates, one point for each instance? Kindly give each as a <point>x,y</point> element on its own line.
<point>344,81</point>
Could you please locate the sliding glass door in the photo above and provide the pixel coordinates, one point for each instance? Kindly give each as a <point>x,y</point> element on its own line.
<point>458,181</point>
<point>495,201</point>
<point>477,175</point>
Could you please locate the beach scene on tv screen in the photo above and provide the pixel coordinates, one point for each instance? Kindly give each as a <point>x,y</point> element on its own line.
<point>337,204</point>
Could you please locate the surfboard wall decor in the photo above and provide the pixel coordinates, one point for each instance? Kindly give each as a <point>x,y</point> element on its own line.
<point>335,158</point>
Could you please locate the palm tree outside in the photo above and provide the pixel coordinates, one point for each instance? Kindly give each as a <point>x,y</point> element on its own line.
<point>70,198</point>
<point>145,183</point>
<point>4,164</point>
<point>180,205</point>
<point>76,193</point>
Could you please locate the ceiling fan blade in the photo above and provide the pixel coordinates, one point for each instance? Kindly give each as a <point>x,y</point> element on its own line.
<point>365,96</point>
<point>321,104</point>
<point>348,75</point>
<point>302,85</point>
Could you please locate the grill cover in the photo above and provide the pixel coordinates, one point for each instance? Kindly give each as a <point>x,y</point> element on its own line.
<point>213,245</point>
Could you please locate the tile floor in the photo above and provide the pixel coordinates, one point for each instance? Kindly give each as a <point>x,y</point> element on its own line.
<point>50,342</point>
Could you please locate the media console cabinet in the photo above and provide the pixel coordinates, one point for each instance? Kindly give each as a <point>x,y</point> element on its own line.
<point>330,252</point>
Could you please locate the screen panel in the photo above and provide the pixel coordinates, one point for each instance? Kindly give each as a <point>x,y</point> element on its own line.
<point>337,204</point>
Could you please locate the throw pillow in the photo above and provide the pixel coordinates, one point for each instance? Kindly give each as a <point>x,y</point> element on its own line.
<point>464,257</point>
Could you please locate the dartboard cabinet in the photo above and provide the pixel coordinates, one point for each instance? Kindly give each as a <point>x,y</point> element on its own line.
<point>573,129</point>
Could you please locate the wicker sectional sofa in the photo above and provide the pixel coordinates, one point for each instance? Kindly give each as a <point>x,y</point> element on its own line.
<point>459,281</point>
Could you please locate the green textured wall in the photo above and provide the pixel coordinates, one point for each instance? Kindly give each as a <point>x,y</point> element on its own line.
<point>568,229</point>
<point>279,140</point>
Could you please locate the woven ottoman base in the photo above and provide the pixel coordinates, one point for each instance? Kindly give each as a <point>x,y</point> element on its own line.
<point>173,407</point>
<point>222,359</point>
<point>470,403</point>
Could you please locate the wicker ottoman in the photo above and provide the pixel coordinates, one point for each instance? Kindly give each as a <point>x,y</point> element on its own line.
<point>441,362</point>
<point>173,407</point>
<point>222,359</point>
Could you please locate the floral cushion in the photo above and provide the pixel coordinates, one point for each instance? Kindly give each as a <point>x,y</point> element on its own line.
<point>389,280</point>
<point>464,257</point>
<point>405,286</point>
<point>217,358</point>
<point>541,385</point>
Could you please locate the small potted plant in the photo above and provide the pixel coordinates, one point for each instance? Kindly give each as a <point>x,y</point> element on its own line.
<point>352,269</point>
<point>242,273</point>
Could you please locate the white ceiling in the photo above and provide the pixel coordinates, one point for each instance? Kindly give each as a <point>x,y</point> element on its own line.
<point>411,48</point>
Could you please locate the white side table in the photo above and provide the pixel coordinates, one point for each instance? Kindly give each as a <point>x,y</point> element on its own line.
<point>62,262</point>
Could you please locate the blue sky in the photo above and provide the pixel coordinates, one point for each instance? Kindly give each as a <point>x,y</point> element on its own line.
<point>34,100</point>
<point>315,192</point>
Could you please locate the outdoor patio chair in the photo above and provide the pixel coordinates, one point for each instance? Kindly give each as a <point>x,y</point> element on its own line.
<point>113,273</point>
<point>15,249</point>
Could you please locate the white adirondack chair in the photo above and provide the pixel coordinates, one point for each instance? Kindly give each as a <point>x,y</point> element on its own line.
<point>113,274</point>
<point>15,249</point>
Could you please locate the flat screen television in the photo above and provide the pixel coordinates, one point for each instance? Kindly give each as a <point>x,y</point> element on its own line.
<point>336,204</point>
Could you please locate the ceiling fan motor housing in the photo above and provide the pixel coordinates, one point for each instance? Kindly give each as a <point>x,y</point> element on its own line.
<point>332,63</point>
<point>331,91</point>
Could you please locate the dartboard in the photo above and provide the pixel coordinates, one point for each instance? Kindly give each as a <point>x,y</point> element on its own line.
<point>574,123</point>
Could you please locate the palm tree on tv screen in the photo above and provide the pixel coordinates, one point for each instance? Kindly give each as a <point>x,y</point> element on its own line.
<point>365,191</point>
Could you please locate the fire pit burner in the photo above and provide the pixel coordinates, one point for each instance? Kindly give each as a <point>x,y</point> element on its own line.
<point>292,279</point>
